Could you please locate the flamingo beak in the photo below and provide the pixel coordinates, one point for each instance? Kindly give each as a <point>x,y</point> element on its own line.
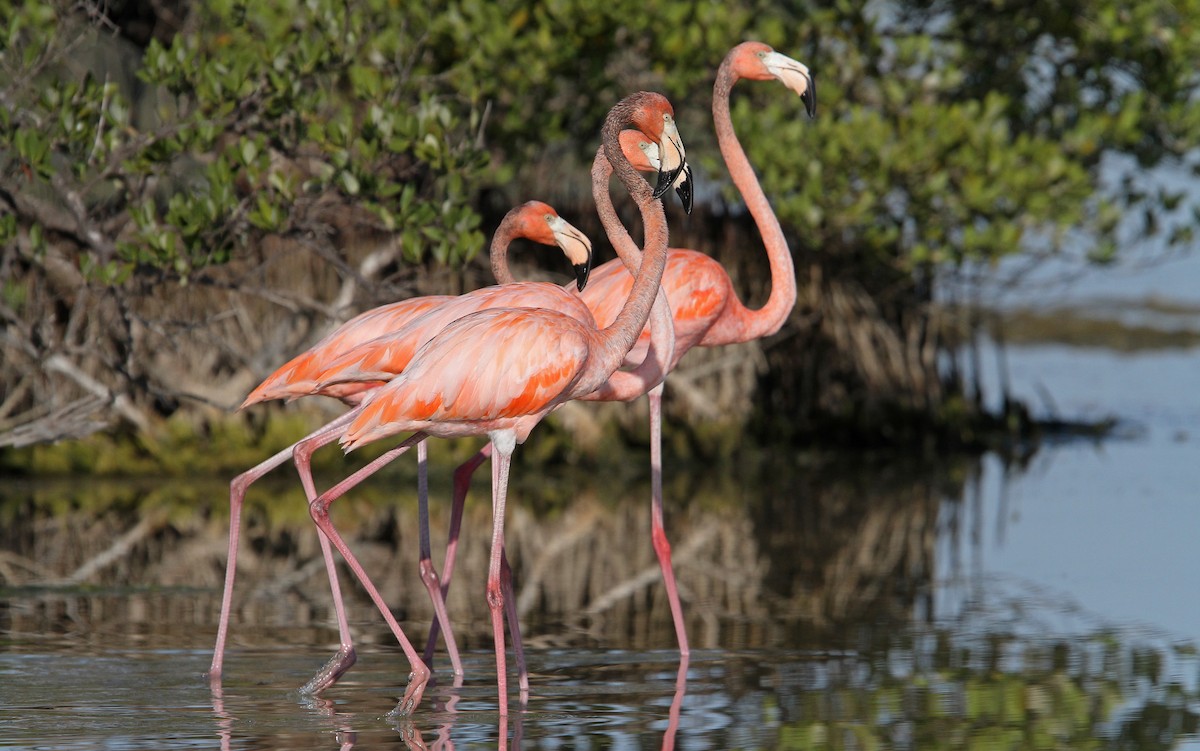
<point>683,181</point>
<point>796,76</point>
<point>673,158</point>
<point>665,180</point>
<point>683,187</point>
<point>576,246</point>
<point>809,97</point>
<point>582,270</point>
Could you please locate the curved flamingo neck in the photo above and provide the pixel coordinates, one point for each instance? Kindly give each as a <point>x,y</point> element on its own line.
<point>738,323</point>
<point>619,337</point>
<point>627,250</point>
<point>498,251</point>
<point>624,385</point>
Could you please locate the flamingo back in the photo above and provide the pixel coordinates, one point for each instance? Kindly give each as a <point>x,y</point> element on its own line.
<point>300,376</point>
<point>697,289</point>
<point>480,373</point>
<point>382,358</point>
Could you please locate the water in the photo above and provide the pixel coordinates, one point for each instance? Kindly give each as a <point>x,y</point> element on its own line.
<point>853,603</point>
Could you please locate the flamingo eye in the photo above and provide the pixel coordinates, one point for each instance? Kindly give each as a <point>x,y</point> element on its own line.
<point>762,55</point>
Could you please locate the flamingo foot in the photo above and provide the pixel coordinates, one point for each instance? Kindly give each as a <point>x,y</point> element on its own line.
<point>417,681</point>
<point>328,675</point>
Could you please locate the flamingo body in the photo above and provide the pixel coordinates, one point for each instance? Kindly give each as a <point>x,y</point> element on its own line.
<point>382,358</point>
<point>507,363</point>
<point>313,372</point>
<point>302,375</point>
<point>697,290</point>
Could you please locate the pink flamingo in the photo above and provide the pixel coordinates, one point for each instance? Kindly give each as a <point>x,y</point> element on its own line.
<point>653,359</point>
<point>379,360</point>
<point>705,309</point>
<point>500,371</point>
<point>648,373</point>
<point>302,376</point>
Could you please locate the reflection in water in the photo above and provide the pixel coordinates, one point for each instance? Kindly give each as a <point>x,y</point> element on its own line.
<point>809,598</point>
<point>805,553</point>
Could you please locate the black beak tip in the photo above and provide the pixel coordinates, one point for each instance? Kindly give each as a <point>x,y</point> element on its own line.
<point>810,99</point>
<point>665,178</point>
<point>582,270</point>
<point>684,190</point>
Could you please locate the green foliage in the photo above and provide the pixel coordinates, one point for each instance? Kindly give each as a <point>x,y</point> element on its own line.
<point>1074,82</point>
<point>267,107</point>
<point>948,131</point>
<point>927,150</point>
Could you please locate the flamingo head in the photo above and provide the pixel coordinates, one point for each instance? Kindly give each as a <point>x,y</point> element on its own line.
<point>758,62</point>
<point>643,155</point>
<point>539,222</point>
<point>654,116</point>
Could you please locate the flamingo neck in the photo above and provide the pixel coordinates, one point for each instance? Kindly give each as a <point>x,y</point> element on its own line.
<point>619,337</point>
<point>738,323</point>
<point>498,252</point>
<point>627,250</point>
<point>653,369</point>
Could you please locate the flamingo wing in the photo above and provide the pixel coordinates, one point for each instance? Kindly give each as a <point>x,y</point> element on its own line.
<point>490,366</point>
<point>301,375</point>
<point>697,289</point>
<point>382,358</point>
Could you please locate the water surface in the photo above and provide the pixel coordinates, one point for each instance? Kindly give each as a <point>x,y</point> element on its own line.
<point>853,602</point>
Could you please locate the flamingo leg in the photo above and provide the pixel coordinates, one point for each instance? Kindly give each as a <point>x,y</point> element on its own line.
<point>237,496</point>
<point>462,484</point>
<point>501,458</point>
<point>346,656</point>
<point>429,575</point>
<point>319,509</point>
<point>668,743</point>
<point>658,535</point>
<point>514,627</point>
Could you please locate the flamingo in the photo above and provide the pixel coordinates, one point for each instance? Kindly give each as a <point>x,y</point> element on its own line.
<point>376,359</point>
<point>302,376</point>
<point>649,372</point>
<point>705,307</point>
<point>500,371</point>
<point>706,311</point>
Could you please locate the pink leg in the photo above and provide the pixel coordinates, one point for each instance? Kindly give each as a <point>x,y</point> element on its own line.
<point>346,656</point>
<point>237,496</point>
<point>429,575</point>
<point>514,627</point>
<point>462,483</point>
<point>657,534</point>
<point>319,509</point>
<point>502,455</point>
<point>668,743</point>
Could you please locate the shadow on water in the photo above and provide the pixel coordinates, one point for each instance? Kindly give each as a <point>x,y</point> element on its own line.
<point>814,595</point>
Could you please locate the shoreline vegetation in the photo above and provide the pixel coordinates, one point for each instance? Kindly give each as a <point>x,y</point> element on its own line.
<point>190,194</point>
<point>208,441</point>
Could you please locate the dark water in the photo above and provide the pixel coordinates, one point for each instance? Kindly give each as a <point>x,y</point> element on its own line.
<point>859,602</point>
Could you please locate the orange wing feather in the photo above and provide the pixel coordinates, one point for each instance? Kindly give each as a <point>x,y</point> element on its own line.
<point>488,367</point>
<point>382,358</point>
<point>300,376</point>
<point>697,289</point>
